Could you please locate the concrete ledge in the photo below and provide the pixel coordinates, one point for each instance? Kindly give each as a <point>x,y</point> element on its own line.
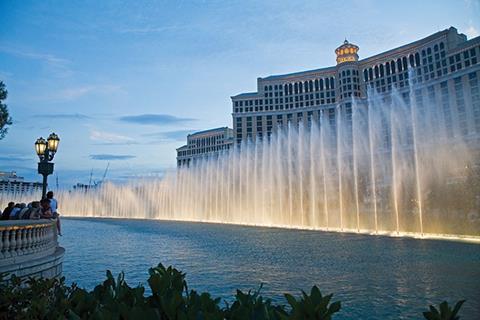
<point>49,266</point>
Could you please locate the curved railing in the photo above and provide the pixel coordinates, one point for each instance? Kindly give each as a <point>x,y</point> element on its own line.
<point>27,244</point>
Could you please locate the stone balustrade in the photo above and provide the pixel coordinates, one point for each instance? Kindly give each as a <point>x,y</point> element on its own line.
<point>30,248</point>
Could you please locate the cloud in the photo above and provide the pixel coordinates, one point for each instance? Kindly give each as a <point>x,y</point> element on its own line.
<point>112,157</point>
<point>67,116</point>
<point>150,29</point>
<point>110,138</point>
<point>154,119</point>
<point>178,135</point>
<point>14,158</point>
<point>58,66</point>
<point>73,93</point>
<point>472,32</point>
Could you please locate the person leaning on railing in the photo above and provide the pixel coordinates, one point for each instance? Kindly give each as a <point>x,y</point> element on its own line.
<point>54,209</point>
<point>47,213</point>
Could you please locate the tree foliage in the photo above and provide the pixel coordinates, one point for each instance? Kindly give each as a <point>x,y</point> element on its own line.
<point>5,119</point>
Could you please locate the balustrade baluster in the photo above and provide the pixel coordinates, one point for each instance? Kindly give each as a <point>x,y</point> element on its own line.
<point>2,235</point>
<point>13,242</point>
<point>35,234</point>
<point>23,241</point>
<point>6,249</point>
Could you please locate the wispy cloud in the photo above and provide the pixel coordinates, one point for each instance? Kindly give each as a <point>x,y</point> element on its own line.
<point>154,119</point>
<point>472,32</point>
<point>150,29</point>
<point>14,158</point>
<point>57,66</point>
<point>112,157</point>
<point>110,138</point>
<point>66,116</point>
<point>73,93</point>
<point>177,135</point>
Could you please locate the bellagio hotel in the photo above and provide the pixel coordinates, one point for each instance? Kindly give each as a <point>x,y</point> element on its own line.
<point>445,66</point>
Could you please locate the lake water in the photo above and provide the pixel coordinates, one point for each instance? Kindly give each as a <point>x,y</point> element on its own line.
<point>374,277</point>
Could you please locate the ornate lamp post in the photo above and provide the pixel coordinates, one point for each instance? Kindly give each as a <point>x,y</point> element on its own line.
<point>46,150</point>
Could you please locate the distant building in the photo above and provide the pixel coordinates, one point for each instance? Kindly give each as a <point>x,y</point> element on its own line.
<point>11,183</point>
<point>206,143</point>
<point>84,187</point>
<point>445,67</point>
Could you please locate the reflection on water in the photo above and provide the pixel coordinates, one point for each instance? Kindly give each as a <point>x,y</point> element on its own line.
<point>386,278</point>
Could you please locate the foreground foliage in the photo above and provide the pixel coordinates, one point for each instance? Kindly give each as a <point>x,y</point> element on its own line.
<point>169,299</point>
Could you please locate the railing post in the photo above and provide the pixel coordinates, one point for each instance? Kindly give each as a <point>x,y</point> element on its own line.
<point>6,246</point>
<point>2,243</point>
<point>24,241</point>
<point>13,242</point>
<point>35,239</point>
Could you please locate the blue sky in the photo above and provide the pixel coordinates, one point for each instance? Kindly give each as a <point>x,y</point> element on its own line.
<point>125,81</point>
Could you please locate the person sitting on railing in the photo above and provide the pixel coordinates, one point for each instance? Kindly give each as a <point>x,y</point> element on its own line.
<point>8,210</point>
<point>35,211</point>
<point>32,212</point>
<point>16,210</point>
<point>22,211</point>
<point>45,210</point>
<point>54,208</point>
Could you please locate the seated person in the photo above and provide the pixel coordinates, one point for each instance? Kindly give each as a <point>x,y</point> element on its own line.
<point>15,211</point>
<point>23,210</point>
<point>7,211</point>
<point>45,210</point>
<point>33,211</point>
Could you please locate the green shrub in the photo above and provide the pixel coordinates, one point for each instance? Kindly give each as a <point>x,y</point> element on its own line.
<point>170,299</point>
<point>445,313</point>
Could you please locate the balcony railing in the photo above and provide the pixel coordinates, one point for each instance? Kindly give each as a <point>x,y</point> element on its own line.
<point>27,245</point>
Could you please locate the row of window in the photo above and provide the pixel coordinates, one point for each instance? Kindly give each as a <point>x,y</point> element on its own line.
<point>246,126</point>
<point>205,150</point>
<point>426,64</point>
<point>206,141</point>
<point>302,86</point>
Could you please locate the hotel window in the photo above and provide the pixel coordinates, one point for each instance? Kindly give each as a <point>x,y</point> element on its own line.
<point>462,114</point>
<point>475,94</point>
<point>447,115</point>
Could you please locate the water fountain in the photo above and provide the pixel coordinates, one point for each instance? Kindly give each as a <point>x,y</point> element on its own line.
<point>387,165</point>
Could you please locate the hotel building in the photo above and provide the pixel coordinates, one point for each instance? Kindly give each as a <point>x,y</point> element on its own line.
<point>445,68</point>
<point>11,183</point>
<point>205,143</point>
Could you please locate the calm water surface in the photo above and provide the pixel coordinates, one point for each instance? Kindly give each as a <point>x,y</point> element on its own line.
<point>374,277</point>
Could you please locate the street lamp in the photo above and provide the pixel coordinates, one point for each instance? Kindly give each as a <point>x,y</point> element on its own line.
<point>46,150</point>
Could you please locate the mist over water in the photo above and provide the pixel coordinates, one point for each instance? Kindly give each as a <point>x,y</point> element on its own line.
<point>391,164</point>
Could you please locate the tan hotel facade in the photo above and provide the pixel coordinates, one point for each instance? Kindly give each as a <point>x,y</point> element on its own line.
<point>445,66</point>
<point>446,70</point>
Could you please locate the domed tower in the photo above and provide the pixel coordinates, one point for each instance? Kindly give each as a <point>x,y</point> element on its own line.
<point>348,74</point>
<point>347,52</point>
